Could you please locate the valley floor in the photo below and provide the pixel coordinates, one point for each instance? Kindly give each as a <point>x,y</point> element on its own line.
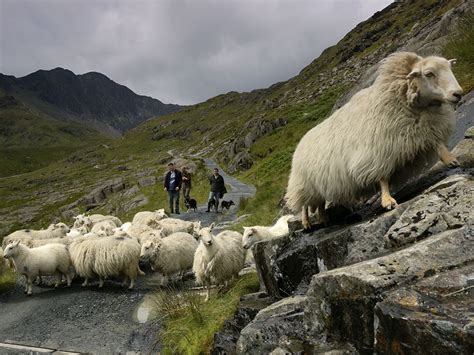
<point>93,320</point>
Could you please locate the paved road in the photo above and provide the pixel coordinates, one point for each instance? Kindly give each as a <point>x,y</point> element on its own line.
<point>237,191</point>
<point>88,319</point>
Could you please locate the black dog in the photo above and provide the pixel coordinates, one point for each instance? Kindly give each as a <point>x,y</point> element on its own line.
<point>227,204</point>
<point>190,204</point>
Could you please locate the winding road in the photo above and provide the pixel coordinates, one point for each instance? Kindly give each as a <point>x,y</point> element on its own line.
<point>92,320</point>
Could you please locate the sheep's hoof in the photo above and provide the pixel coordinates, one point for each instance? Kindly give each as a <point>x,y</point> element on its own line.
<point>306,226</point>
<point>389,203</point>
<point>453,163</point>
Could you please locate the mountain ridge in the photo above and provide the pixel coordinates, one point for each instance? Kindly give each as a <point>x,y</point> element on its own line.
<point>84,97</point>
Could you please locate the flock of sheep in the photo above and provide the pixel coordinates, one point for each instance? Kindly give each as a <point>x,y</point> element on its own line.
<point>99,246</point>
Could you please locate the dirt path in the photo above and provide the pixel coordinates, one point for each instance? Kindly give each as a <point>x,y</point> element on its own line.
<point>90,320</point>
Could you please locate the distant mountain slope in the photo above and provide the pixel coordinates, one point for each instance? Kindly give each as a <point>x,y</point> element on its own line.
<point>90,97</point>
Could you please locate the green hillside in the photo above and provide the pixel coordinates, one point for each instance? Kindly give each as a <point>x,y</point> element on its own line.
<point>30,139</point>
<point>261,127</point>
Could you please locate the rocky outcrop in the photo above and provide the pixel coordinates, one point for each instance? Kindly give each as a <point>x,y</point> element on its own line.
<point>397,282</point>
<point>235,153</point>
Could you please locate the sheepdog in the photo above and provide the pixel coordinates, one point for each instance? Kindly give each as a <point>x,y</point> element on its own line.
<point>190,203</point>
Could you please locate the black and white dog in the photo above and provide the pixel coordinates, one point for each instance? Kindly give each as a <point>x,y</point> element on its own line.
<point>190,203</point>
<point>227,204</point>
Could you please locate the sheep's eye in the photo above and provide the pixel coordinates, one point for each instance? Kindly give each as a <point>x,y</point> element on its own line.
<point>429,74</point>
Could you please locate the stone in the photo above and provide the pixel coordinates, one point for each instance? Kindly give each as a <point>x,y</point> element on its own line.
<point>241,161</point>
<point>147,181</point>
<point>434,313</point>
<point>446,205</point>
<point>341,302</point>
<point>273,325</point>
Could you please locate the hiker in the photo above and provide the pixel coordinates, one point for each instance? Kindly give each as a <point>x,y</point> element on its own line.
<point>217,190</point>
<point>186,183</point>
<point>173,180</point>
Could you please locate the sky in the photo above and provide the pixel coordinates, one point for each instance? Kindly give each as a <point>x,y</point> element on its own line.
<point>178,51</point>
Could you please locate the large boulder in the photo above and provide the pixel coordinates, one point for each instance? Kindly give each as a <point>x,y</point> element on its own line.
<point>395,281</point>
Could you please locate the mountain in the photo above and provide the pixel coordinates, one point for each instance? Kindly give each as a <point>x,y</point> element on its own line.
<point>252,134</point>
<point>92,98</point>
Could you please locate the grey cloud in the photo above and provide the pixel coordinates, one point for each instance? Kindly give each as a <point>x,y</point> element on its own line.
<point>177,51</point>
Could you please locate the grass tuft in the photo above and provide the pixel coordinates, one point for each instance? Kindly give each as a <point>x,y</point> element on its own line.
<point>190,323</point>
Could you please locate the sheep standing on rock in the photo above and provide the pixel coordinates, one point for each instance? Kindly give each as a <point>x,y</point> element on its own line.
<point>48,260</point>
<point>170,255</point>
<point>256,234</point>
<point>217,258</point>
<point>406,115</point>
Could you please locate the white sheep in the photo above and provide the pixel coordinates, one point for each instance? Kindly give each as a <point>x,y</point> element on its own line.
<point>169,226</point>
<point>77,232</point>
<point>145,217</point>
<point>47,260</point>
<point>405,116</point>
<point>106,257</point>
<point>106,226</point>
<point>217,258</point>
<point>3,262</point>
<point>57,230</point>
<point>148,235</point>
<point>170,255</point>
<point>89,221</point>
<point>256,234</point>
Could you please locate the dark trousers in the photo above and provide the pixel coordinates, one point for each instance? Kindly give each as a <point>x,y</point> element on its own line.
<point>214,196</point>
<point>174,195</point>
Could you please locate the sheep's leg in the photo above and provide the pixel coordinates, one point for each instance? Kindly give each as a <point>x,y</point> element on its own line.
<point>446,156</point>
<point>305,217</point>
<point>29,286</point>
<point>125,280</point>
<point>208,293</point>
<point>132,283</point>
<point>59,278</point>
<point>68,280</point>
<point>388,202</point>
<point>101,282</point>
<point>322,215</point>
<point>86,282</point>
<point>26,283</point>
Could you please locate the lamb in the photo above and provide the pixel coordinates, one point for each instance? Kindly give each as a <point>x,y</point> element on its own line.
<point>47,260</point>
<point>256,234</point>
<point>173,225</point>
<point>217,258</point>
<point>170,255</point>
<point>406,116</point>
<point>105,257</point>
<point>145,217</point>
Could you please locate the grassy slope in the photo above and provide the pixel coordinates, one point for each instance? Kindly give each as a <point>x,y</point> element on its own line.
<point>30,139</point>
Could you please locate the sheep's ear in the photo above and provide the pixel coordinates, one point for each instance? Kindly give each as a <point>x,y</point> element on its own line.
<point>414,73</point>
<point>212,225</point>
<point>15,243</point>
<point>452,61</point>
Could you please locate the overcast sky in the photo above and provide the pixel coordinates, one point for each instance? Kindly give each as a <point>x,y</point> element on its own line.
<point>174,50</point>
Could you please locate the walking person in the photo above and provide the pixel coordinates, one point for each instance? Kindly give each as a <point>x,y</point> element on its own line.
<point>217,190</point>
<point>173,181</point>
<point>186,183</point>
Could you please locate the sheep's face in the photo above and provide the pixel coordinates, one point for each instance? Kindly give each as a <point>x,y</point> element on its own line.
<point>248,239</point>
<point>62,227</point>
<point>205,236</point>
<point>433,83</point>
<point>149,248</point>
<point>11,250</point>
<point>160,214</point>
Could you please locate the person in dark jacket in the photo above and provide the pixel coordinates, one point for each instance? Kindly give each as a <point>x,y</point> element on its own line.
<point>173,180</point>
<point>217,190</point>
